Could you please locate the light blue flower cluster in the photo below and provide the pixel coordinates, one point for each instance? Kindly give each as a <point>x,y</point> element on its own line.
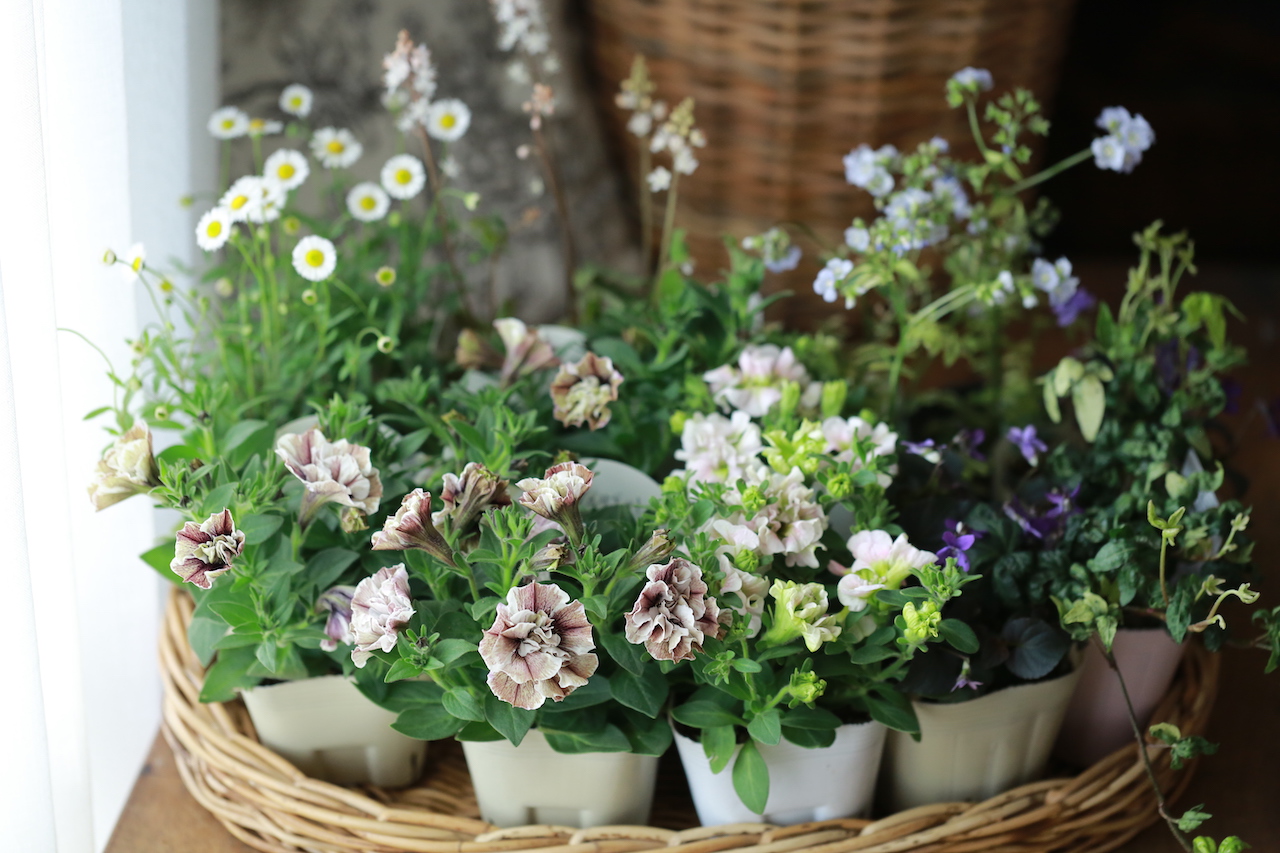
<point>1066,297</point>
<point>1127,137</point>
<point>868,168</point>
<point>775,249</point>
<point>829,278</point>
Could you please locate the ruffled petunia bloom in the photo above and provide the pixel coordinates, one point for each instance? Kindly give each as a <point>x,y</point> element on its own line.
<point>337,628</point>
<point>556,496</point>
<point>335,148</point>
<point>879,558</point>
<point>539,647</point>
<point>754,386</point>
<point>128,468</point>
<point>526,351</point>
<point>716,449</point>
<point>412,527</point>
<point>331,471</point>
<point>751,591</point>
<point>469,494</point>
<point>296,100</point>
<point>801,613</point>
<point>788,519</point>
<point>204,551</point>
<point>582,392</point>
<point>842,434</point>
<point>380,607</point>
<point>673,615</point>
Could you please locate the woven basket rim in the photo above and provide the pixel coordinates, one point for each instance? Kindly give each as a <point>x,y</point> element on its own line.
<point>270,805</point>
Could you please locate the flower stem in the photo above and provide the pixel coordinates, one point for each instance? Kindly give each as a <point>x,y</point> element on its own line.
<point>646,209</point>
<point>1061,166</point>
<point>1164,588</point>
<point>446,240</point>
<point>567,246</point>
<point>1161,804</point>
<point>668,225</point>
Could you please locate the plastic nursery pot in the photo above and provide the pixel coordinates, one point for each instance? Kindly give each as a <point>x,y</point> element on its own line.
<point>1097,722</point>
<point>328,729</point>
<point>831,782</point>
<point>568,343</point>
<point>619,484</point>
<point>533,784</point>
<point>975,750</point>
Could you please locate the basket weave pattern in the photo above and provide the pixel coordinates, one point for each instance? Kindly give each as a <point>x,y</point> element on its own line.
<point>270,805</point>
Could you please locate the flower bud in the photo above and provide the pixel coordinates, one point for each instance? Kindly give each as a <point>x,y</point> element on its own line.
<point>291,225</point>
<point>922,622</point>
<point>833,397</point>
<point>468,494</point>
<point>160,413</point>
<point>753,500</point>
<point>790,398</point>
<point>352,520</point>
<point>805,687</point>
<point>656,550</point>
<point>412,527</point>
<point>549,558</point>
<point>394,219</point>
<point>840,486</point>
<point>309,297</point>
<point>385,276</point>
<point>108,257</point>
<point>385,344</point>
<point>678,420</point>
<point>471,200</point>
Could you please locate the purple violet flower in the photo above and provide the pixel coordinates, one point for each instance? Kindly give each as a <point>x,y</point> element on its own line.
<point>1028,444</point>
<point>926,449</point>
<point>967,441</point>
<point>1068,310</point>
<point>957,541</point>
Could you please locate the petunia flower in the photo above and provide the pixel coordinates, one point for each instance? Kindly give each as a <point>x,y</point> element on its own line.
<point>337,628</point>
<point>556,495</point>
<point>673,615</point>
<point>412,528</point>
<point>754,385</point>
<point>469,494</point>
<point>128,468</point>
<point>879,558</point>
<point>582,392</point>
<point>205,551</point>
<point>751,591</point>
<point>801,613</point>
<point>719,449</point>
<point>526,351</point>
<point>380,607</point>
<point>539,647</point>
<point>331,471</point>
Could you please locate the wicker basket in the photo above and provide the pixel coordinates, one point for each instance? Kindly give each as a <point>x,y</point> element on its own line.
<point>270,805</point>
<point>785,88</point>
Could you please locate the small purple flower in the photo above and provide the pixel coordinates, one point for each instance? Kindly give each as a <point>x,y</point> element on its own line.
<point>964,680</point>
<point>1079,302</point>
<point>967,442</point>
<point>789,261</point>
<point>1030,523</point>
<point>1062,503</point>
<point>926,449</point>
<point>958,540</point>
<point>1024,438</point>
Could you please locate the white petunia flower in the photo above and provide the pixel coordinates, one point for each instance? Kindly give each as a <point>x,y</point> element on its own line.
<point>403,176</point>
<point>659,179</point>
<point>335,148</point>
<point>260,127</point>
<point>133,262</point>
<point>448,119</point>
<point>368,202</point>
<point>315,258</point>
<point>296,100</point>
<point>288,168</point>
<point>228,123</point>
<point>214,229</point>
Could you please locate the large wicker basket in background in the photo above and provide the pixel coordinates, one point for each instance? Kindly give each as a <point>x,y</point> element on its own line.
<point>785,88</point>
<point>272,806</point>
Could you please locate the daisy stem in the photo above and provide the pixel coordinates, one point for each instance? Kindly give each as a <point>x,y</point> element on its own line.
<point>1061,166</point>
<point>567,246</point>
<point>446,240</point>
<point>646,209</point>
<point>668,225</point>
<point>224,180</point>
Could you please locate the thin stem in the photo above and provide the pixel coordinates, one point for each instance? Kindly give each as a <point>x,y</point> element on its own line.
<point>975,128</point>
<point>1161,804</point>
<point>567,246</point>
<point>446,239</point>
<point>646,209</point>
<point>899,354</point>
<point>1074,160</point>
<point>1164,588</point>
<point>668,225</point>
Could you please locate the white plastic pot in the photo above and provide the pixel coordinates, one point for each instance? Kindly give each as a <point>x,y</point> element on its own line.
<point>1097,722</point>
<point>619,484</point>
<point>330,730</point>
<point>975,750</point>
<point>533,784</point>
<point>804,784</point>
<point>569,344</point>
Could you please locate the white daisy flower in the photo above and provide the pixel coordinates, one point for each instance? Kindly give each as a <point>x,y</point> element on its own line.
<point>403,176</point>
<point>270,201</point>
<point>296,100</point>
<point>368,202</point>
<point>314,258</point>
<point>288,168</point>
<point>228,123</point>
<point>659,179</point>
<point>133,261</point>
<point>260,127</point>
<point>242,195</point>
<point>214,229</point>
<point>335,148</point>
<point>448,119</point>
<point>449,168</point>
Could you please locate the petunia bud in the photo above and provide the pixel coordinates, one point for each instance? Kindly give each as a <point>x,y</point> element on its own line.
<point>128,468</point>
<point>412,528</point>
<point>657,549</point>
<point>833,397</point>
<point>805,687</point>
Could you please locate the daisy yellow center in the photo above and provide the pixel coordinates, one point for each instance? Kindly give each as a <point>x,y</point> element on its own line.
<point>257,124</point>
<point>239,202</point>
<point>214,228</point>
<point>286,171</point>
<point>448,121</point>
<point>315,258</point>
<point>228,123</point>
<point>166,286</point>
<point>136,264</point>
<point>368,203</point>
<point>296,102</point>
<point>333,146</point>
<point>403,176</point>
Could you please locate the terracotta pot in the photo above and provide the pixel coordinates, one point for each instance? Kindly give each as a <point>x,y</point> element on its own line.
<point>975,750</point>
<point>329,729</point>
<point>533,784</point>
<point>1097,722</point>
<point>804,784</point>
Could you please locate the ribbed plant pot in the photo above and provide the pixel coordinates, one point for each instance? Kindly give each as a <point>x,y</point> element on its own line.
<point>1097,722</point>
<point>975,750</point>
<point>533,784</point>
<point>831,782</point>
<point>619,484</point>
<point>328,729</point>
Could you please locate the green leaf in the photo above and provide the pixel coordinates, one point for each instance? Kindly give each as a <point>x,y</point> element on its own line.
<point>959,635</point>
<point>449,650</point>
<point>400,670</point>
<point>871,654</point>
<point>766,727</point>
<point>1090,399</point>
<point>463,704</point>
<point>219,499</point>
<point>811,719</point>
<point>894,710</point>
<point>702,714</point>
<point>648,737</point>
<point>646,693</point>
<point>159,559</point>
<point>1111,556</point>
<point>236,615</point>
<point>228,673</point>
<point>324,569</point>
<point>810,738</point>
<point>718,744</point>
<point>178,453</point>
<point>1051,401</point>
<point>511,722</point>
<point>632,658</point>
<point>597,691</point>
<point>258,528</point>
<point>247,439</point>
<point>1192,818</point>
<point>203,634</point>
<point>610,739</point>
<point>427,722</point>
<point>751,778</point>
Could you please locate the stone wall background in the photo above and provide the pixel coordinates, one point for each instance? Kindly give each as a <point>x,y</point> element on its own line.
<point>336,48</point>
